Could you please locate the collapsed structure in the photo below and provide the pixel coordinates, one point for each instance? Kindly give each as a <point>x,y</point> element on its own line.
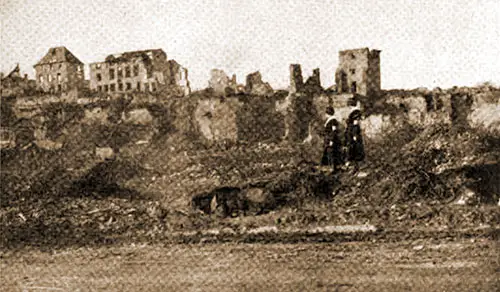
<point>221,84</point>
<point>254,85</point>
<point>13,84</point>
<point>141,71</point>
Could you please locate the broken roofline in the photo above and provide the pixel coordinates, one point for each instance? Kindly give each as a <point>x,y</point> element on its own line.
<point>127,56</point>
<point>359,50</point>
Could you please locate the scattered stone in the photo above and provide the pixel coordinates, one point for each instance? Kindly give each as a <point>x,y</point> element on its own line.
<point>418,247</point>
<point>467,197</point>
<point>104,153</point>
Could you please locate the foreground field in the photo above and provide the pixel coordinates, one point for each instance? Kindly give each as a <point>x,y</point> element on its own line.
<point>413,265</point>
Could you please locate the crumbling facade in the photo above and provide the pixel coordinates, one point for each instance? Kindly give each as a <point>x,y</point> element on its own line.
<point>297,84</point>
<point>142,71</point>
<point>296,80</point>
<point>255,85</point>
<point>305,105</point>
<point>59,70</point>
<point>13,84</point>
<point>222,85</point>
<point>359,72</point>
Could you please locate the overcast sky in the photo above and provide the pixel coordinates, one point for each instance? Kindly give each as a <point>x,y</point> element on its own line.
<point>424,43</point>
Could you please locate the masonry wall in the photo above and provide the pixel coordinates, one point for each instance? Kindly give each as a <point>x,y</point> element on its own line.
<point>105,76</point>
<point>359,72</point>
<point>249,119</point>
<point>58,77</point>
<point>140,74</point>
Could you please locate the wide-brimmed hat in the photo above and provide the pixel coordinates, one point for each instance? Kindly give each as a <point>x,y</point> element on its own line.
<point>355,115</point>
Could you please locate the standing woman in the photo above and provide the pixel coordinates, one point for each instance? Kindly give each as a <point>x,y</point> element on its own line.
<point>332,153</point>
<point>354,139</point>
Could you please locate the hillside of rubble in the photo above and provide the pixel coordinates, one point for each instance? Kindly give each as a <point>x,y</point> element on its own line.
<point>116,180</point>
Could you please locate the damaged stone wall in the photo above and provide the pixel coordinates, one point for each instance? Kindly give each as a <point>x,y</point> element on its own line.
<point>255,85</point>
<point>176,79</point>
<point>239,118</point>
<point>359,72</point>
<point>296,81</point>
<point>462,108</point>
<point>217,118</point>
<point>421,107</point>
<point>221,84</point>
<point>305,106</point>
<point>139,71</point>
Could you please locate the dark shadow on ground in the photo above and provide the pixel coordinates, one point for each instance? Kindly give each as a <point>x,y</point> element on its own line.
<point>71,215</point>
<point>484,180</point>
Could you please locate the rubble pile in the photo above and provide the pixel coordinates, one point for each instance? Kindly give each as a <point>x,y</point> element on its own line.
<point>146,191</point>
<point>437,165</point>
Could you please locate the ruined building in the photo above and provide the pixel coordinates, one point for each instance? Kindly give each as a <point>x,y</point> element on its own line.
<point>296,81</point>
<point>13,84</point>
<point>222,85</point>
<point>145,71</point>
<point>359,72</point>
<point>59,70</point>
<point>255,85</point>
<point>297,84</point>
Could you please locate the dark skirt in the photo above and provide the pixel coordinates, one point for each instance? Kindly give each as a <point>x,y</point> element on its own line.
<point>356,151</point>
<point>332,156</point>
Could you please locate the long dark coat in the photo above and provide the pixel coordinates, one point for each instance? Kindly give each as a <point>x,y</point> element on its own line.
<point>354,141</point>
<point>332,153</point>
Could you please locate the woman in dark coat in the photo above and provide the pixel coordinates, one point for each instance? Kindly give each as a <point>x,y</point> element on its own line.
<point>332,154</point>
<point>354,138</point>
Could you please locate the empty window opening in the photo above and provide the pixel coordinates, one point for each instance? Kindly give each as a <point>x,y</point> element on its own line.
<point>439,103</point>
<point>59,87</point>
<point>353,71</point>
<point>403,107</point>
<point>99,88</point>
<point>129,86</point>
<point>120,86</point>
<point>120,72</point>
<point>344,86</point>
<point>113,87</point>
<point>354,87</point>
<point>429,101</point>
<point>146,86</point>
<point>139,86</point>
<point>99,77</point>
<point>136,70</point>
<point>111,74</point>
<point>127,71</point>
<point>106,88</point>
<point>153,86</point>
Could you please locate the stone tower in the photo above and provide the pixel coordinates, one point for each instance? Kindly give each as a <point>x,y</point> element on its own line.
<point>296,81</point>
<point>359,72</point>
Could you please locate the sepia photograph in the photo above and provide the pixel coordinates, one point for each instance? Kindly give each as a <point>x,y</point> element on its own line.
<point>260,145</point>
